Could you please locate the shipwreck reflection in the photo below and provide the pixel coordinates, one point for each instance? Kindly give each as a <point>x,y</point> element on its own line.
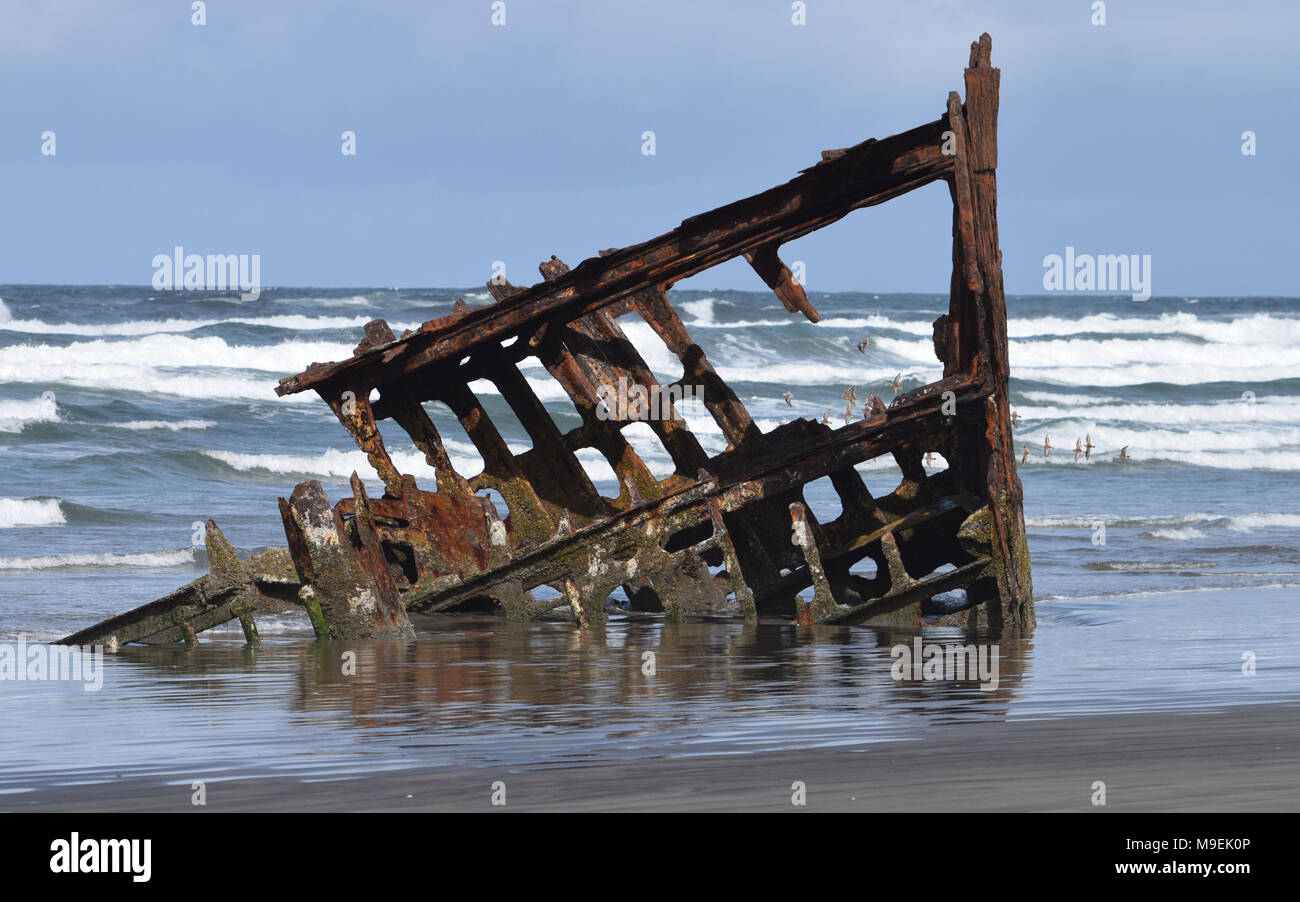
<point>479,688</point>
<point>641,675</point>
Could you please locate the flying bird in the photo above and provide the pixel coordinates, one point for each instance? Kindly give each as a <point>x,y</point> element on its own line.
<point>897,379</point>
<point>862,345</point>
<point>1123,453</point>
<point>1015,419</point>
<point>1088,446</point>
<point>1024,458</point>
<point>1078,449</point>
<point>788,395</point>
<point>826,417</point>
<point>1047,445</point>
<point>848,414</point>
<point>929,459</point>
<point>851,394</point>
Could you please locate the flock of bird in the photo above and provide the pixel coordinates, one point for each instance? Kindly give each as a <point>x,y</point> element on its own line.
<point>1082,446</point>
<point>874,406</point>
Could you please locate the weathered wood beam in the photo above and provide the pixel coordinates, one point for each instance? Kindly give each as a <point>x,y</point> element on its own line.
<point>868,174</point>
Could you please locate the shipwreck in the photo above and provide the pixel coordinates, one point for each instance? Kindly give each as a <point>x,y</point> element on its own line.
<point>727,535</point>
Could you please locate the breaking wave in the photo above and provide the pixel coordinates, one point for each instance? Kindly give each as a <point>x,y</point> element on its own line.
<point>16,415</point>
<point>19,512</point>
<point>181,557</point>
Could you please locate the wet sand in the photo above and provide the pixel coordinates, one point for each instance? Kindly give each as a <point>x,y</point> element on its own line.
<point>1238,759</point>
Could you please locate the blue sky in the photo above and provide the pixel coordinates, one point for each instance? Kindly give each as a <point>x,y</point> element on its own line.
<point>478,143</point>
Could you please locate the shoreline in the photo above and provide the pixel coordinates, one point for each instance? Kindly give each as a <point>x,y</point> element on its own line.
<point>1237,759</point>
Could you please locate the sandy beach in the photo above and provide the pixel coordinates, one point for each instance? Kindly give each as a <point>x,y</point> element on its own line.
<point>1238,759</point>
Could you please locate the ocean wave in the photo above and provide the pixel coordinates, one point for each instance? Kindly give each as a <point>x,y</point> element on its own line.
<point>286,623</point>
<point>165,364</point>
<point>26,512</point>
<point>357,300</point>
<point>650,346</point>
<point>1149,566</point>
<point>338,464</point>
<point>1185,534</point>
<point>1250,522</point>
<point>176,351</point>
<point>1122,361</point>
<point>817,373</point>
<point>172,425</point>
<point>190,367</point>
<point>1259,328</point>
<point>875,321</point>
<point>1272,409</point>
<point>1237,522</point>
<point>1046,397</point>
<point>17,415</point>
<point>1089,363</point>
<point>1220,441</point>
<point>1233,449</point>
<point>1175,590</point>
<point>700,312</point>
<point>1057,353</point>
<point>1243,460</point>
<point>181,557</point>
<point>330,463</point>
<point>295,322</point>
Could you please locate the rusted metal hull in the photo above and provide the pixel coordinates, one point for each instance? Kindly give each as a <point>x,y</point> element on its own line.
<point>725,535</point>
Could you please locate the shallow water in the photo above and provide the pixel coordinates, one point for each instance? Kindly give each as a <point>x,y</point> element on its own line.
<point>482,692</point>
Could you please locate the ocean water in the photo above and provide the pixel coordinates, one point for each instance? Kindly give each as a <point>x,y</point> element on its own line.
<point>128,417</point>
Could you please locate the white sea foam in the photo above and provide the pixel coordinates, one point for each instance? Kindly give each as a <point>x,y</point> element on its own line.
<point>1185,534</point>
<point>178,351</point>
<point>1264,410</point>
<point>165,364</point>
<point>1119,352</point>
<point>699,312</point>
<point>182,557</point>
<point>1251,522</point>
<point>331,463</point>
<point>24,512</point>
<point>1243,460</point>
<point>1259,328</point>
<point>16,415</point>
<point>837,375</point>
<point>172,425</point>
<point>877,322</point>
<point>286,623</point>
<point>339,464</point>
<point>357,300</point>
<point>1056,398</point>
<point>1236,522</point>
<point>651,346</point>
<point>1228,449</point>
